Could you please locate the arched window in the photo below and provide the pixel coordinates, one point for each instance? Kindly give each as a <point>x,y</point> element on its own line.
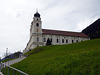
<point>37,24</point>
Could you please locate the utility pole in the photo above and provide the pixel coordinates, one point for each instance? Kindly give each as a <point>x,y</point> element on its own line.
<point>6,52</point>
<point>7,57</point>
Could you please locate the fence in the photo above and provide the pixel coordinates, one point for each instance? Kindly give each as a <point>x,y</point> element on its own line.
<point>6,70</point>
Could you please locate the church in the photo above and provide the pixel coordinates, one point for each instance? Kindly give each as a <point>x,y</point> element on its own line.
<point>39,36</point>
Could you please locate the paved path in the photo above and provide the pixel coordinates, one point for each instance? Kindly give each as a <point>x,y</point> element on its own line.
<point>14,61</point>
<point>1,73</point>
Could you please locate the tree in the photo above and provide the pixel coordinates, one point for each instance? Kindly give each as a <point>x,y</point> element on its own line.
<point>48,42</point>
<point>17,54</point>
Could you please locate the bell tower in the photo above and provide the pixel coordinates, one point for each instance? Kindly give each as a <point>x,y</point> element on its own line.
<point>36,23</point>
<point>36,30</point>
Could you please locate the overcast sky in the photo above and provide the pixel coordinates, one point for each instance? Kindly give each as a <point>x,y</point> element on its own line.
<point>16,17</point>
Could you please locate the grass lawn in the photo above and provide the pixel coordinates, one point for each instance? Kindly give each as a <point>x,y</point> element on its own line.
<point>81,58</point>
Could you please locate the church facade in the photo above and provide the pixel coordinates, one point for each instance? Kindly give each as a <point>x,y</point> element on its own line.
<point>39,36</point>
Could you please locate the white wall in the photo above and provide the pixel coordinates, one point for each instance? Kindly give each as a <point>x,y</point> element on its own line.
<point>59,37</point>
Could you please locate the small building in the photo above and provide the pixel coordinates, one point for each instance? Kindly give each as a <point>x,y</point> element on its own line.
<point>39,36</point>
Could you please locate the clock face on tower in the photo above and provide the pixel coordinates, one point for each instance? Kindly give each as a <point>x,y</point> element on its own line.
<point>37,24</point>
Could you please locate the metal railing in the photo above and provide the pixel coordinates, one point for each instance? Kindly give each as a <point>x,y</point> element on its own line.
<point>6,70</point>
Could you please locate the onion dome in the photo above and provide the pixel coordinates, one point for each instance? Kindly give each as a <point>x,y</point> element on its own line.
<point>37,14</point>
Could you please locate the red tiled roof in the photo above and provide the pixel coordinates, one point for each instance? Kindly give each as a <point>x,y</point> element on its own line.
<point>64,33</point>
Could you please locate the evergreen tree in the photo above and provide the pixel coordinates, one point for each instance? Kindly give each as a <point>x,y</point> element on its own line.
<point>48,42</point>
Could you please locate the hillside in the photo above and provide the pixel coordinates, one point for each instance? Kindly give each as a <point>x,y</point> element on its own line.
<point>81,58</point>
<point>93,30</point>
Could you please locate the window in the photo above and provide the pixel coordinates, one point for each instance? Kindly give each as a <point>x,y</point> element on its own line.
<point>72,41</point>
<point>51,39</point>
<point>37,19</point>
<point>57,40</point>
<point>66,41</point>
<point>44,39</point>
<point>37,24</point>
<point>37,39</point>
<point>76,40</point>
<point>62,40</point>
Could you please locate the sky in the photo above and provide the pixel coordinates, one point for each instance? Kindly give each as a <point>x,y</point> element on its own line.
<point>68,15</point>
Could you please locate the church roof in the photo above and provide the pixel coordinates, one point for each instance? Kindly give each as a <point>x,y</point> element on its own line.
<point>63,33</point>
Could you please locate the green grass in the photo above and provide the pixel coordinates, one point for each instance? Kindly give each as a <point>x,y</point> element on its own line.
<point>81,58</point>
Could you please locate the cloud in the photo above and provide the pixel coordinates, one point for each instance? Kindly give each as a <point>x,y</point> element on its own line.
<point>83,24</point>
<point>16,17</point>
<point>15,12</point>
<point>69,13</point>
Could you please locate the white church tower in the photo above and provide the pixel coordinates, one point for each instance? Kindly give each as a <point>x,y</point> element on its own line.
<point>35,32</point>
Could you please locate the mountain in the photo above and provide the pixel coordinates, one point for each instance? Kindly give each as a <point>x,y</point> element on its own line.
<point>93,30</point>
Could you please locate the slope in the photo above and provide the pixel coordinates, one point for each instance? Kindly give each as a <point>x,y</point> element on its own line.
<point>81,58</point>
